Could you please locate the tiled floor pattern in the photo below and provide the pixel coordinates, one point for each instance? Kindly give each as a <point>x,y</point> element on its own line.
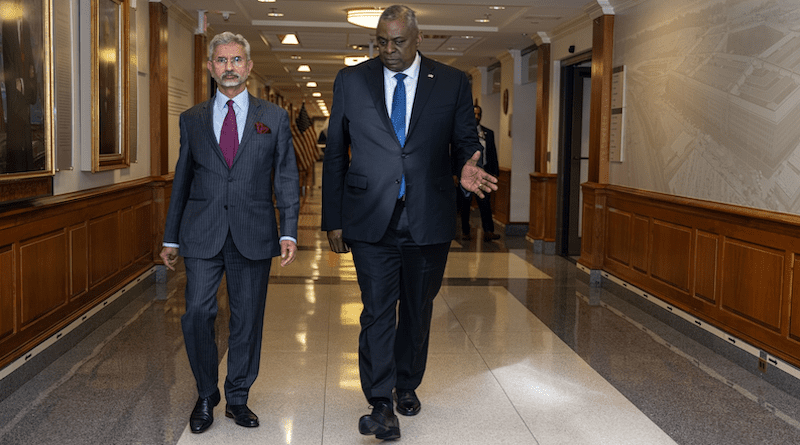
<point>522,352</point>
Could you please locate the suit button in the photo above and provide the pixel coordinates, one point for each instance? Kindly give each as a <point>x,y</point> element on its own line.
<point>397,181</point>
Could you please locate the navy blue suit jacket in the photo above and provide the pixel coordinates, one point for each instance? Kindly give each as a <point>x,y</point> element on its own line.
<point>359,194</point>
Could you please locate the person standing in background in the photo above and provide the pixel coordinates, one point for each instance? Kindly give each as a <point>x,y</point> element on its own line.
<point>489,163</point>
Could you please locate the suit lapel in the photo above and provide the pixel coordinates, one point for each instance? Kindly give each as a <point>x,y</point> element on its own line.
<point>208,118</point>
<point>253,113</point>
<point>377,91</point>
<point>425,85</point>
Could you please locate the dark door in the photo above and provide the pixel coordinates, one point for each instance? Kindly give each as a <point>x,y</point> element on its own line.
<point>573,156</point>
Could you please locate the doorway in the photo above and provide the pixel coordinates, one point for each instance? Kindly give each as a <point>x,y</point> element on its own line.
<point>573,159</point>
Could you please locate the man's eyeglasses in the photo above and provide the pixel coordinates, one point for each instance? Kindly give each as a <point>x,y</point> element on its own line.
<point>237,61</point>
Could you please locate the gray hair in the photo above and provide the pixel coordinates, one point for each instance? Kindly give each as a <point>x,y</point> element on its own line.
<point>226,38</point>
<point>400,12</point>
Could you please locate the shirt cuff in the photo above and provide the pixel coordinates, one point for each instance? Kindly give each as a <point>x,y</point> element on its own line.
<point>171,245</point>
<point>289,238</point>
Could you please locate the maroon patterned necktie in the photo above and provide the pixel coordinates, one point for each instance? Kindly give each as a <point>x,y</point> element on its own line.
<point>229,136</point>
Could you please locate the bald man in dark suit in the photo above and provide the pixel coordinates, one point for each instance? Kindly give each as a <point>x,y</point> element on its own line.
<point>393,203</point>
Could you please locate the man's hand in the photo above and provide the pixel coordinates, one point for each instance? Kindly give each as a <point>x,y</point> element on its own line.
<point>288,252</point>
<point>170,256</point>
<point>336,242</point>
<point>474,179</point>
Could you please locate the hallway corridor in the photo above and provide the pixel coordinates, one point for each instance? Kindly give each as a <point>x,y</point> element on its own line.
<point>522,351</point>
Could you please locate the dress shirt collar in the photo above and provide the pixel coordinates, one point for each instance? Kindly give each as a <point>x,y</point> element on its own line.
<point>241,101</point>
<point>412,71</point>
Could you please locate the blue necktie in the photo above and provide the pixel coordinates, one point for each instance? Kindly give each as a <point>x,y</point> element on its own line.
<point>399,120</point>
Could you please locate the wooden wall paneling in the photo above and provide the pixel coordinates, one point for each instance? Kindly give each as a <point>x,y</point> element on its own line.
<point>200,68</point>
<point>142,220</point>
<point>135,233</point>
<point>543,199</point>
<point>502,208</point>
<point>104,248</point>
<point>160,192</point>
<point>79,260</point>
<point>60,255</point>
<point>618,237</point>
<point>587,240</point>
<point>753,282</point>
<point>794,319</point>
<point>159,89</point>
<point>600,104</point>
<point>670,260</point>
<point>640,242</point>
<point>732,267</point>
<point>543,74</point>
<point>8,279</point>
<point>127,237</point>
<point>43,272</point>
<point>706,272</point>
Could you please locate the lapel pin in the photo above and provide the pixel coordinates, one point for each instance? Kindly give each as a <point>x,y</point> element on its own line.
<point>430,76</point>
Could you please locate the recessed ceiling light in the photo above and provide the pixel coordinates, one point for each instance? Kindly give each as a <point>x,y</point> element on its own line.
<point>304,68</point>
<point>273,13</point>
<point>296,57</point>
<point>311,84</point>
<point>485,19</point>
<point>289,39</point>
<point>316,94</point>
<point>497,7</point>
<point>354,60</point>
<point>267,1</point>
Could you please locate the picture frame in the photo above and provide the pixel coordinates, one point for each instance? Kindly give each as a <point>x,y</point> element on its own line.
<point>110,84</point>
<point>26,91</point>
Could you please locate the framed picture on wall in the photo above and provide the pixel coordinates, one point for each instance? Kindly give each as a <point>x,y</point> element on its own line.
<point>110,84</point>
<point>26,124</point>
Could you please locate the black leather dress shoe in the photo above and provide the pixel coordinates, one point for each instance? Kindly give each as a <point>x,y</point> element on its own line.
<point>203,413</point>
<point>407,402</point>
<point>490,236</point>
<point>382,423</point>
<point>242,415</point>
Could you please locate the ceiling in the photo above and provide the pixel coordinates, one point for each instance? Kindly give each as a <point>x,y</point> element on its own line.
<point>450,35</point>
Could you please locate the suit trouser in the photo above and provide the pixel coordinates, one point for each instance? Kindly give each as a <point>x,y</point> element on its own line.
<point>485,207</point>
<point>393,353</point>
<point>247,296</point>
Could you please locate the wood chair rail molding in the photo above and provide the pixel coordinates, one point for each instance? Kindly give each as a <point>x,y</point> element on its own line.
<point>734,267</point>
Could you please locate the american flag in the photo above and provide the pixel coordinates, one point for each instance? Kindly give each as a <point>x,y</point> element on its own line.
<point>303,121</point>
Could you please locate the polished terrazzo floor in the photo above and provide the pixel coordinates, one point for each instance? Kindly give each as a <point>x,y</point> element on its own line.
<point>523,351</point>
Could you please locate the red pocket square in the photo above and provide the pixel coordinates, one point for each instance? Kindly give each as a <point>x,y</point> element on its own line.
<point>262,129</point>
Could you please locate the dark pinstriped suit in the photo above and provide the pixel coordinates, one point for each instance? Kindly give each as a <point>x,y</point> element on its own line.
<point>224,220</point>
